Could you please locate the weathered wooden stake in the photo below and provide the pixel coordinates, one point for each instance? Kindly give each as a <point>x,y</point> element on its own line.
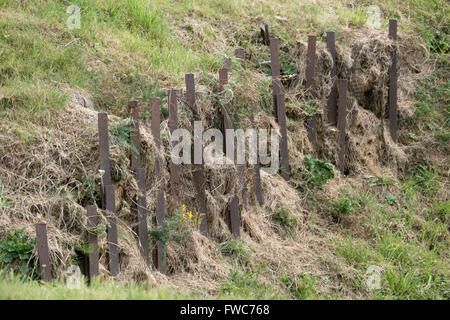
<point>275,68</point>
<point>310,70</point>
<point>174,185</point>
<point>43,254</point>
<point>285,171</point>
<point>112,230</point>
<point>264,28</point>
<point>256,172</point>
<point>226,114</point>
<point>240,54</point>
<point>135,136</point>
<point>160,219</point>
<point>227,124</point>
<point>227,64</point>
<point>342,116</point>
<point>93,242</point>
<point>332,98</point>
<point>198,173</point>
<point>142,214</point>
<point>105,165</point>
<point>392,94</point>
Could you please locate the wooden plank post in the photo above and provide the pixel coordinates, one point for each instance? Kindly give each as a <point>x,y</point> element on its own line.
<point>135,136</point>
<point>264,30</point>
<point>227,64</point>
<point>112,230</point>
<point>91,212</point>
<point>332,98</point>
<point>240,54</point>
<point>257,172</point>
<point>310,70</point>
<point>174,184</point>
<point>43,253</point>
<point>105,166</point>
<point>342,116</point>
<point>392,94</point>
<point>281,108</point>
<point>233,208</point>
<point>108,198</point>
<point>142,214</point>
<point>275,70</point>
<point>159,262</point>
<point>199,175</point>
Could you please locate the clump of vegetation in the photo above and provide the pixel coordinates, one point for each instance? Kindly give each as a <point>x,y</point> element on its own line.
<point>300,286</point>
<point>316,172</point>
<point>245,284</point>
<point>237,250</point>
<point>173,229</point>
<point>345,206</point>
<point>424,179</point>
<point>16,247</point>
<point>121,135</point>
<point>189,217</point>
<point>143,90</point>
<point>88,191</point>
<point>286,219</point>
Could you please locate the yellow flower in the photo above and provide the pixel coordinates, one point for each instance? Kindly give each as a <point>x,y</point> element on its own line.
<point>184,216</point>
<point>190,214</point>
<point>183,208</point>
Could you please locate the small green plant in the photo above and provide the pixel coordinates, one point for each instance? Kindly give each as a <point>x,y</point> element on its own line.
<point>236,249</point>
<point>423,178</point>
<point>17,247</point>
<point>390,199</point>
<point>4,202</point>
<point>316,172</point>
<point>89,188</point>
<point>173,229</point>
<point>287,65</point>
<point>345,206</point>
<point>441,210</point>
<point>245,284</point>
<point>300,286</point>
<point>121,135</point>
<point>286,219</point>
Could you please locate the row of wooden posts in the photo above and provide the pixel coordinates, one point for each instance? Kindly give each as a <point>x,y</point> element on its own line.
<point>336,110</point>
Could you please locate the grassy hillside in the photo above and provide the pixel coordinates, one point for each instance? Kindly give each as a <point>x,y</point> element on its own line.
<point>307,242</point>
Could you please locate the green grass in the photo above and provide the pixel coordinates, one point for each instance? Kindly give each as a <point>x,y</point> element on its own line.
<point>15,288</point>
<point>409,240</point>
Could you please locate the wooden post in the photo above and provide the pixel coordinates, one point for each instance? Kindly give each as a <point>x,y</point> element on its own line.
<point>240,54</point>
<point>310,70</point>
<point>342,114</point>
<point>285,171</point>
<point>112,230</point>
<point>142,214</point>
<point>135,136</point>
<point>227,124</point>
<point>257,173</point>
<point>160,219</point>
<point>392,94</point>
<point>93,242</point>
<point>332,98</point>
<point>105,165</point>
<point>43,253</point>
<point>198,173</point>
<point>275,69</point>
<point>174,186</point>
